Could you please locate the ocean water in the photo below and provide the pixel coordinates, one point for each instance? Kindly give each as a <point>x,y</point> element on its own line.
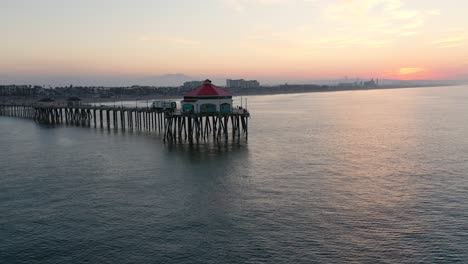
<point>375,176</point>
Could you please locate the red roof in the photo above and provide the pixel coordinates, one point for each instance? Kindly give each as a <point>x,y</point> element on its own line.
<point>207,89</point>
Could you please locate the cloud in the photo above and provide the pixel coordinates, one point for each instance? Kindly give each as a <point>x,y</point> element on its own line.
<point>272,1</point>
<point>169,40</point>
<point>451,42</point>
<point>352,9</point>
<point>388,17</point>
<point>291,44</point>
<point>349,41</point>
<point>241,5</point>
<point>233,4</point>
<point>433,12</point>
<point>340,25</point>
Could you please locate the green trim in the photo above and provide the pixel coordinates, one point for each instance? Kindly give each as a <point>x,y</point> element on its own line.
<point>225,108</point>
<point>187,107</point>
<point>208,108</point>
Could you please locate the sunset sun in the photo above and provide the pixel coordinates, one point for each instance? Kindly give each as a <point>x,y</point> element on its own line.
<point>408,73</point>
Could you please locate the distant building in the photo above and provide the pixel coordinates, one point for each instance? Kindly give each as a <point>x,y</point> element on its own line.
<point>19,90</point>
<point>371,84</point>
<point>242,84</point>
<point>348,85</point>
<point>192,84</point>
<point>359,84</point>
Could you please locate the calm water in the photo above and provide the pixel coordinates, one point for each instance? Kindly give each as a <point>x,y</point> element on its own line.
<point>359,177</point>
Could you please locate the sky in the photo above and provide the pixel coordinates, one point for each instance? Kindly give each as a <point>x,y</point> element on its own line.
<point>293,39</point>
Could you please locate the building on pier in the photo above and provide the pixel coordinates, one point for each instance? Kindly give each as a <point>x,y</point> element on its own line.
<point>207,98</point>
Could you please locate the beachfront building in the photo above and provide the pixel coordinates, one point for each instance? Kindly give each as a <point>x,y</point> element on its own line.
<point>207,98</point>
<point>245,84</point>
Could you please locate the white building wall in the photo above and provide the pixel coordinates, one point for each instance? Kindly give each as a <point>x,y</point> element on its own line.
<point>216,102</point>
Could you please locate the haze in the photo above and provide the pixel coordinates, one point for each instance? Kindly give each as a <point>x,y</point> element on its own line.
<point>264,39</point>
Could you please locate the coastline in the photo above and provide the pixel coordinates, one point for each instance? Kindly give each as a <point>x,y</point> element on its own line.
<point>256,93</point>
<point>265,91</point>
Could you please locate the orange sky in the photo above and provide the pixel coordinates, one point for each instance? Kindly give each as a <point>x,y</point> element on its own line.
<point>295,39</point>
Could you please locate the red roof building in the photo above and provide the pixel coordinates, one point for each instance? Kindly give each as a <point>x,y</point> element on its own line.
<point>207,98</point>
<point>207,90</point>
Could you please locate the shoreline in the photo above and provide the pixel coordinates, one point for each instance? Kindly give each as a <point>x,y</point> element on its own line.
<point>140,99</point>
<point>92,100</point>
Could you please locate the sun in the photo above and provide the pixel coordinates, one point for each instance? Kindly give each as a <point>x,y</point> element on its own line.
<point>407,71</point>
<point>411,73</point>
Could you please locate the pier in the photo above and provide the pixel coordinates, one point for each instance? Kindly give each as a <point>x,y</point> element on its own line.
<point>205,113</point>
<point>174,125</point>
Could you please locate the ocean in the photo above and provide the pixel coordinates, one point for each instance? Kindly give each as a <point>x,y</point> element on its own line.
<point>375,176</point>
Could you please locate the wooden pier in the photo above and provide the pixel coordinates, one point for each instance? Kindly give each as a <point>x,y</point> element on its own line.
<point>201,126</point>
<point>175,126</point>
